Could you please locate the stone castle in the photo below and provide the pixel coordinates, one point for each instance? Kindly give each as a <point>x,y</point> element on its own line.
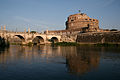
<point>79,22</point>
<point>82,21</point>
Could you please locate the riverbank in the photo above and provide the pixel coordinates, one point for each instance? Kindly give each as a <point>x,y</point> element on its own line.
<point>66,44</point>
<point>72,44</point>
<point>3,43</point>
<point>86,44</point>
<point>28,44</point>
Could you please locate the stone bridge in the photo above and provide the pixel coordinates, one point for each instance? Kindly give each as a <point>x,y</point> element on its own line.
<point>25,38</point>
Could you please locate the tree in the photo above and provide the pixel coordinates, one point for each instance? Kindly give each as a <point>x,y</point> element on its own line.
<point>113,30</point>
<point>33,32</point>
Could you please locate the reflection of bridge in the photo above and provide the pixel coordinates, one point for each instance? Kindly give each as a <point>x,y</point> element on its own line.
<point>30,37</point>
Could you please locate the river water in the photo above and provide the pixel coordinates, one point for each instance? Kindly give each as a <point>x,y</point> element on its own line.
<point>60,63</point>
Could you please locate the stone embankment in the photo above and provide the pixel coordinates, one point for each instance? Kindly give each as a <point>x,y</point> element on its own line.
<point>112,37</point>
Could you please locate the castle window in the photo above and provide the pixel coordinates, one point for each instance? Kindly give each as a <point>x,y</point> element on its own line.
<point>93,19</point>
<point>75,18</point>
<point>86,19</point>
<point>72,20</point>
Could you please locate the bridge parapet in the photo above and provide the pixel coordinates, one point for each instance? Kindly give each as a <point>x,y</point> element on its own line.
<point>28,37</point>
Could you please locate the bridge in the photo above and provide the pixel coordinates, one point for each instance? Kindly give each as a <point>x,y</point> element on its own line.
<point>26,37</point>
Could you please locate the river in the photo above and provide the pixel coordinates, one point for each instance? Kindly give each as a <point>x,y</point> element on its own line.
<point>60,63</point>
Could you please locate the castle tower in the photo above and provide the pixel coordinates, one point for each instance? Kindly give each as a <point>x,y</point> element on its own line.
<point>81,20</point>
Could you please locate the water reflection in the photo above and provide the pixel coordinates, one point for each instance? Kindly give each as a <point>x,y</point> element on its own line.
<point>85,60</point>
<point>78,60</point>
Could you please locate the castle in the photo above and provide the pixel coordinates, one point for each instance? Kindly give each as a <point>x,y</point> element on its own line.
<point>79,23</point>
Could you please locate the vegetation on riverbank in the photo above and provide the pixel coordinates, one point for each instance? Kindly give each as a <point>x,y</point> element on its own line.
<point>78,44</point>
<point>107,45</point>
<point>3,43</point>
<point>15,44</point>
<point>28,44</point>
<point>66,44</point>
<point>73,44</point>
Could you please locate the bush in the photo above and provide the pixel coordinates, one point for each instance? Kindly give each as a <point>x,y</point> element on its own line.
<point>33,32</point>
<point>106,45</point>
<point>66,43</point>
<point>30,44</point>
<point>113,30</point>
<point>4,43</point>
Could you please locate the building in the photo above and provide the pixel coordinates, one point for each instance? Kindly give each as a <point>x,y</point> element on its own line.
<point>82,21</point>
<point>79,23</point>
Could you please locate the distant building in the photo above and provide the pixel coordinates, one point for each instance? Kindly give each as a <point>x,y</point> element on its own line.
<point>82,21</point>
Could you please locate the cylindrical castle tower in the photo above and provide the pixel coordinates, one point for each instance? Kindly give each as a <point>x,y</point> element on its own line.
<point>81,20</point>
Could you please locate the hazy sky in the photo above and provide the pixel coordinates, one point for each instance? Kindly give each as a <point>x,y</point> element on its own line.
<point>51,14</point>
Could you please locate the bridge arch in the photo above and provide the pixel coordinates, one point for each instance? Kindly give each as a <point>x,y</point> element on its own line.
<point>20,37</point>
<point>38,40</point>
<point>54,39</point>
<point>17,39</point>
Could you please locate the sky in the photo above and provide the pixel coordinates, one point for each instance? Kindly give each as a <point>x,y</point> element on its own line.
<point>40,15</point>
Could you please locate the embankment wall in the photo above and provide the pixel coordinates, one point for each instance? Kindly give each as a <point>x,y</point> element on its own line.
<point>101,37</point>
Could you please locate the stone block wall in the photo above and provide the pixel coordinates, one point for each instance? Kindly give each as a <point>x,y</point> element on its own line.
<point>105,37</point>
